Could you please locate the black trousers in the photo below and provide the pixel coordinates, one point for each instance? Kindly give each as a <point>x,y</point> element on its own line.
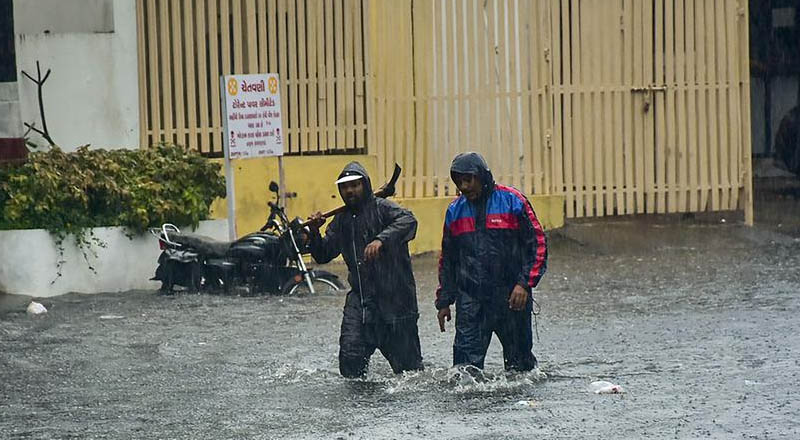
<point>397,341</point>
<point>477,319</point>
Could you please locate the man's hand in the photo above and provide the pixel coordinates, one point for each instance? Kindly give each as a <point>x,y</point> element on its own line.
<point>372,250</point>
<point>518,298</point>
<point>442,315</point>
<point>315,221</point>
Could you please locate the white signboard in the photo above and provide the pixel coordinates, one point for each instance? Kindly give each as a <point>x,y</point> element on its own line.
<point>253,125</point>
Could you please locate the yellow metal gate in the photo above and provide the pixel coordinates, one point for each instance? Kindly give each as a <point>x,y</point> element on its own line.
<point>654,98</point>
<point>453,76</point>
<point>621,106</point>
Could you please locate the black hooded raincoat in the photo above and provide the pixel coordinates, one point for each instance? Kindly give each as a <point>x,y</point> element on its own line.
<point>381,308</point>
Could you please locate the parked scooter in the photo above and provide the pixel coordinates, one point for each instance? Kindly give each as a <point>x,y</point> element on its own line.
<point>269,261</point>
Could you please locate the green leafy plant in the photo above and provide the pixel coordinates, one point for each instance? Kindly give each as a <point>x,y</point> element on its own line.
<point>69,193</point>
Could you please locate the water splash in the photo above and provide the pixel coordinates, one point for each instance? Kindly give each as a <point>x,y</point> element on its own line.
<point>454,380</point>
<point>463,380</point>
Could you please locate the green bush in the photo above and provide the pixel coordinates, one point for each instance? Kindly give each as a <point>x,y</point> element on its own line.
<point>66,193</point>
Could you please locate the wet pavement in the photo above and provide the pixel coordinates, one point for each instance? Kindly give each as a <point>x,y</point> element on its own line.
<point>695,318</point>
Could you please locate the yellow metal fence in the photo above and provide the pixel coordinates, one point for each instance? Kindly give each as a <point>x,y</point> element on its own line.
<point>317,47</point>
<point>621,106</point>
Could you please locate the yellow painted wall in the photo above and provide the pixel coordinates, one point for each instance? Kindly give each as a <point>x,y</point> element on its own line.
<point>312,177</point>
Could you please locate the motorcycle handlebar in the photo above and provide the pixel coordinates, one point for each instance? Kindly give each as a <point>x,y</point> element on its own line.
<point>276,211</point>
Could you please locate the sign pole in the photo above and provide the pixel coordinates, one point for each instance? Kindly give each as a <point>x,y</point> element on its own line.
<point>281,182</point>
<point>229,188</point>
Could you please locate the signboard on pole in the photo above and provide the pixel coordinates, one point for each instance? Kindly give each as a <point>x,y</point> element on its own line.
<point>253,116</point>
<point>252,126</point>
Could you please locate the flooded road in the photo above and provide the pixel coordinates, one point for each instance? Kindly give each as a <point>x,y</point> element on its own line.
<point>696,321</point>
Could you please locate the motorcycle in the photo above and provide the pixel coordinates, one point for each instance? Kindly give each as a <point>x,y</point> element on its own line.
<point>268,261</point>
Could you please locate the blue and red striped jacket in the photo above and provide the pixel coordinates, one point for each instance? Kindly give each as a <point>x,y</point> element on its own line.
<point>487,253</point>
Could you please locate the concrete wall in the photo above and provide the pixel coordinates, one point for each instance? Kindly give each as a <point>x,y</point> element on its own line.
<point>312,179</point>
<point>59,17</point>
<point>29,262</point>
<point>10,122</point>
<point>92,94</point>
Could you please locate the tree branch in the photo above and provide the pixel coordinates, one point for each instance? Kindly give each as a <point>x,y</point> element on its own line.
<point>42,133</point>
<point>39,84</point>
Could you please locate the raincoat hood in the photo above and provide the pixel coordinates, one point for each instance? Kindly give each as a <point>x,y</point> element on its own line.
<point>473,163</point>
<point>356,169</point>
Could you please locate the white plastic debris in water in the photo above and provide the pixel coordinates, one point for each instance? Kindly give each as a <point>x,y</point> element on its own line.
<point>603,387</point>
<point>111,317</point>
<point>35,308</point>
<point>526,403</point>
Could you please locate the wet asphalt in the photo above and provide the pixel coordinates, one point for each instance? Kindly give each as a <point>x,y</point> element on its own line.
<point>695,318</point>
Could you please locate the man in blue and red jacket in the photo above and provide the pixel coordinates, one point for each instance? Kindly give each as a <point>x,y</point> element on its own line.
<point>494,252</point>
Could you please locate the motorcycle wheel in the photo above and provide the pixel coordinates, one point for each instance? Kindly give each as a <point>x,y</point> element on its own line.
<point>325,284</point>
<point>165,274</point>
<point>188,275</point>
<point>195,278</point>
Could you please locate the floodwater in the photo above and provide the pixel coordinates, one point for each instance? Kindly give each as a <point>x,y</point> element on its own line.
<point>696,320</point>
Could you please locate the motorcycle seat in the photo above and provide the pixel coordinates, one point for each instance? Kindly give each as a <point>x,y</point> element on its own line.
<point>206,246</point>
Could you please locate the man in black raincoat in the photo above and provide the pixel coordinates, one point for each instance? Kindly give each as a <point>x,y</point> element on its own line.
<point>380,311</point>
<point>494,253</point>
